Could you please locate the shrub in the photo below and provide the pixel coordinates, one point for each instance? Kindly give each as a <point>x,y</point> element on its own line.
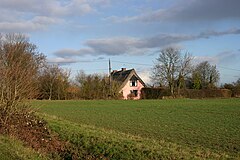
<point>33,131</point>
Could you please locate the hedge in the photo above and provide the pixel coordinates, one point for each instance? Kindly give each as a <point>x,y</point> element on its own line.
<point>206,93</point>
<point>159,93</point>
<point>154,93</point>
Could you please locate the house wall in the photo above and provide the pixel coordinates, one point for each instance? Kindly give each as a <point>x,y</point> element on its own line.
<point>127,88</point>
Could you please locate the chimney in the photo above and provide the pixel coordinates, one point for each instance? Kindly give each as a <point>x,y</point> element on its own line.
<point>114,71</point>
<point>124,69</point>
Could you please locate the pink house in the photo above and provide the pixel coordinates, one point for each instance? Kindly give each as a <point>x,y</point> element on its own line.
<point>131,83</point>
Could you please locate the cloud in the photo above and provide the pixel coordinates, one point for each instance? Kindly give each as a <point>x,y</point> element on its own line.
<point>113,46</point>
<point>210,33</point>
<point>62,61</point>
<point>223,58</point>
<point>53,8</point>
<point>28,16</point>
<point>37,23</point>
<point>135,46</point>
<point>101,58</point>
<point>157,15</point>
<point>73,53</point>
<point>193,10</point>
<point>145,74</point>
<point>71,60</point>
<point>227,63</point>
<point>228,57</point>
<point>206,10</point>
<point>124,45</point>
<point>211,59</point>
<point>45,20</point>
<point>109,46</point>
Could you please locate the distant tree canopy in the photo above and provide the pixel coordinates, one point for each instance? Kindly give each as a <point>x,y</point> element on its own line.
<point>234,87</point>
<point>95,86</point>
<point>205,76</point>
<point>53,83</point>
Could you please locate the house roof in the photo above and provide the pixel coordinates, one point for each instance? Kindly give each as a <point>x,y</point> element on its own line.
<point>123,76</point>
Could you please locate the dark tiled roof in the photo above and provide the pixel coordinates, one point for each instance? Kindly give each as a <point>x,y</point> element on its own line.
<point>121,76</point>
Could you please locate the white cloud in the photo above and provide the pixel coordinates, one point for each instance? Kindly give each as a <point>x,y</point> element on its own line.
<point>63,53</point>
<point>35,24</point>
<point>21,26</point>
<point>46,20</point>
<point>49,8</point>
<point>223,58</point>
<point>27,16</point>
<point>211,59</point>
<point>228,57</point>
<point>144,74</point>
<point>62,61</point>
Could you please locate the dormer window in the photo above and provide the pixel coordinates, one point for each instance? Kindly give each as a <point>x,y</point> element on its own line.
<point>133,81</point>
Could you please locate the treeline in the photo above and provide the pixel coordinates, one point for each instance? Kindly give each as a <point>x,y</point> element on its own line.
<point>55,84</point>
<point>25,74</point>
<point>175,70</point>
<point>234,87</point>
<point>176,75</point>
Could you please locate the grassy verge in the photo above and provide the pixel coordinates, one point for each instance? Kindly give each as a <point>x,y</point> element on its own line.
<point>13,149</point>
<point>91,143</point>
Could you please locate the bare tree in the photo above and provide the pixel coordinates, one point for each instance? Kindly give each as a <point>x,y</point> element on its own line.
<point>19,66</point>
<point>171,68</point>
<point>184,70</point>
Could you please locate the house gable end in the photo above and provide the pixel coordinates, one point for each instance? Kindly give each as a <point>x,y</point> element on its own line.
<point>132,75</point>
<point>130,83</point>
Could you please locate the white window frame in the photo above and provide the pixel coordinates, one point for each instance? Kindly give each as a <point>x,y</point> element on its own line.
<point>131,83</point>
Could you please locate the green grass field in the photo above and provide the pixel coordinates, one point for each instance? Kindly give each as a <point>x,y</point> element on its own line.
<point>209,127</point>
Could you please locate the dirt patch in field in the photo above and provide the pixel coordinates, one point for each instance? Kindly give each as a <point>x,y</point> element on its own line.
<point>34,132</point>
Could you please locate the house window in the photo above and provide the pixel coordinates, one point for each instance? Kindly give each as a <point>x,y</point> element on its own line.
<point>133,83</point>
<point>134,92</point>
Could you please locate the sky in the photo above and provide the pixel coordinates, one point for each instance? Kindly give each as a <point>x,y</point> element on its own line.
<point>85,34</point>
